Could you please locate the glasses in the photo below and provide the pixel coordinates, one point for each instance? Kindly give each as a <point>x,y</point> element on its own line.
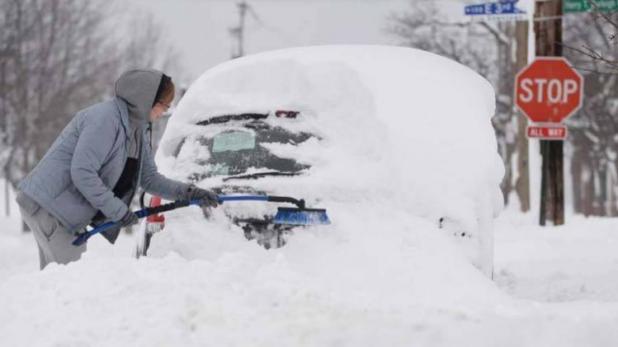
<point>167,106</point>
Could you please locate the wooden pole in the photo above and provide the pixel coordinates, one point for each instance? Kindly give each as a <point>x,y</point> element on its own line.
<point>522,185</point>
<point>544,186</point>
<point>548,34</point>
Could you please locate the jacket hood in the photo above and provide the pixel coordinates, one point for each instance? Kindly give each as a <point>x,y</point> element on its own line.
<point>138,88</point>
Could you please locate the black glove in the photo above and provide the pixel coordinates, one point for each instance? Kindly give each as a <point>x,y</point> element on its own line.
<point>209,199</point>
<point>128,219</point>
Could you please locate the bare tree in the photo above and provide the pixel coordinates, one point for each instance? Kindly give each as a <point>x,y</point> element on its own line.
<point>595,50</point>
<point>57,56</point>
<point>487,48</point>
<point>148,46</point>
<point>594,145</point>
<point>53,65</point>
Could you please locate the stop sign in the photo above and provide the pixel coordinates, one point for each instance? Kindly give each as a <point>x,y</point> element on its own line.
<point>548,90</point>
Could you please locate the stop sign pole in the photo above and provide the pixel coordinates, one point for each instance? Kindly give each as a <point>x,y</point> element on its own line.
<point>548,91</point>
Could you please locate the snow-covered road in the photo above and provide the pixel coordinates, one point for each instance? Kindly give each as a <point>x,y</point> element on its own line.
<point>574,262</point>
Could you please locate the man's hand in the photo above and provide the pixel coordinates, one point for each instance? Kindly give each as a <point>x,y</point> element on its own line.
<point>208,198</point>
<point>128,219</point>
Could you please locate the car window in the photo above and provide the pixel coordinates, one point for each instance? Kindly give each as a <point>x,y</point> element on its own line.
<point>237,149</point>
<point>233,141</point>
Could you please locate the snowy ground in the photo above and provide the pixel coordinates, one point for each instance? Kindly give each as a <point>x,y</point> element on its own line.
<point>555,287</point>
<point>574,262</point>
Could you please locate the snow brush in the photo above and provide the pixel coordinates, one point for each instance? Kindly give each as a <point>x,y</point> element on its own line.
<point>301,215</point>
<point>285,215</point>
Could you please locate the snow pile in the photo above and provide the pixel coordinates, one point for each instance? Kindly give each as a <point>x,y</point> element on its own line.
<point>292,297</point>
<point>320,288</point>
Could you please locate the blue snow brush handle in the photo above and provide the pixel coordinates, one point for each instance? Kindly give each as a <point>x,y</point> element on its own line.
<point>145,212</point>
<point>148,211</point>
<point>300,203</point>
<point>224,198</point>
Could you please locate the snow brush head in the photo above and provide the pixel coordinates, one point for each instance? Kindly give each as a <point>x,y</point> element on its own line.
<point>301,216</point>
<point>285,215</point>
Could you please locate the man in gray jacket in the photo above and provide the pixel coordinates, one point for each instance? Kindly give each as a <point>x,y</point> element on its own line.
<point>93,169</point>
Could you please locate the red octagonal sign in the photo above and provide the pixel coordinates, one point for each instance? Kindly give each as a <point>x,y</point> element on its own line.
<point>548,90</point>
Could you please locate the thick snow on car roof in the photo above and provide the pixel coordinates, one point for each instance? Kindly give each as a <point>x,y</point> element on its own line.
<point>398,124</point>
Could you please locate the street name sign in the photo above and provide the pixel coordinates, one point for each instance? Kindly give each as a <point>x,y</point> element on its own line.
<point>497,10</point>
<point>571,6</point>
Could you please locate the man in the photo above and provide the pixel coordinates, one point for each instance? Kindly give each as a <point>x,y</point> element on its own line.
<point>93,169</point>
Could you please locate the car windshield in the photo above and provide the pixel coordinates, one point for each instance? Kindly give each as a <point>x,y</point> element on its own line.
<point>239,150</point>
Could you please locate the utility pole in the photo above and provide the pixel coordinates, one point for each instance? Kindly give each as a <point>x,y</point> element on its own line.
<point>522,185</point>
<point>548,35</point>
<point>238,32</point>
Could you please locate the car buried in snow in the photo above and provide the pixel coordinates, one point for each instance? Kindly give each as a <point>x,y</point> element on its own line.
<point>235,154</point>
<point>353,129</point>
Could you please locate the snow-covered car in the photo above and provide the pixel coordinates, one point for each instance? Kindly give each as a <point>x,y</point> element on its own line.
<point>359,130</point>
<point>236,151</point>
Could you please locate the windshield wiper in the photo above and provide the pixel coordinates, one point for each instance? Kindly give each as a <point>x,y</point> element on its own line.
<point>261,174</point>
<point>227,118</point>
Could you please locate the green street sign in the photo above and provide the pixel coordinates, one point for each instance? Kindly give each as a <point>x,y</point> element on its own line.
<point>570,6</point>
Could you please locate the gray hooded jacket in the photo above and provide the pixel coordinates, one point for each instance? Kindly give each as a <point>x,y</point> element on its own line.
<point>75,178</point>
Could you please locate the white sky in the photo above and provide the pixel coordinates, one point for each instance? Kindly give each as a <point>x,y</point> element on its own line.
<point>199,28</point>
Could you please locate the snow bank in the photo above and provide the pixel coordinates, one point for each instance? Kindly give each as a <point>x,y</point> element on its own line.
<point>289,296</point>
